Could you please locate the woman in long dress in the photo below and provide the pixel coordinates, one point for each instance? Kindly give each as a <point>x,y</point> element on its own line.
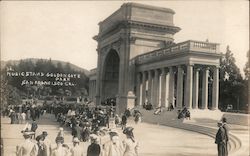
<point>60,150</point>
<point>130,144</point>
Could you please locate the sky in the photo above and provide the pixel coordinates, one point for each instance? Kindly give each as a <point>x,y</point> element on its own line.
<point>63,30</point>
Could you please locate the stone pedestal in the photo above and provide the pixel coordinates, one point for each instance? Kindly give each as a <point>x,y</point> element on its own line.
<point>131,100</point>
<point>124,102</point>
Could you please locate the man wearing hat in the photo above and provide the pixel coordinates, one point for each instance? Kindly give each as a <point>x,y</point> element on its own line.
<point>47,143</point>
<point>28,148</point>
<point>226,128</point>
<point>42,149</point>
<point>220,140</point>
<point>94,148</point>
<point>76,150</point>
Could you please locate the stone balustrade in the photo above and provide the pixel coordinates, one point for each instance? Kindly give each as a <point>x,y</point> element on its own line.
<point>187,46</point>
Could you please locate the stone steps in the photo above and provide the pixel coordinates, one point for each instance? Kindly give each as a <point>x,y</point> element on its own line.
<point>167,118</point>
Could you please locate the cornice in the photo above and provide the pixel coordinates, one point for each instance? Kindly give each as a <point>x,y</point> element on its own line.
<point>127,24</point>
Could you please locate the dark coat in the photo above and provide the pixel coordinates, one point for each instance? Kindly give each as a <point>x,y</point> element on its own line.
<point>226,128</point>
<point>220,140</point>
<point>93,150</point>
<point>124,120</point>
<point>76,132</point>
<point>34,126</point>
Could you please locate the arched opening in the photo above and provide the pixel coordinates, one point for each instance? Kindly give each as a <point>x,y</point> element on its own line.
<point>110,76</point>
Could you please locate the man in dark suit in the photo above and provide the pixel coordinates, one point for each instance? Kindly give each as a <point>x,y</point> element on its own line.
<point>94,148</point>
<point>220,140</point>
<point>226,128</point>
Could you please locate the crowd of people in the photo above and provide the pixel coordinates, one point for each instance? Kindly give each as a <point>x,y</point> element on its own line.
<point>97,126</point>
<point>94,125</point>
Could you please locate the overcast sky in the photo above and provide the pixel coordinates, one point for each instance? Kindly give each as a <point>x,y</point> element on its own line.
<point>63,30</point>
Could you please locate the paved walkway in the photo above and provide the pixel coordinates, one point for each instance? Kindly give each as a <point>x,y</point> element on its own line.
<point>154,139</point>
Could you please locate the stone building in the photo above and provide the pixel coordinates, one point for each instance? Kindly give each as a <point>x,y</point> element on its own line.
<point>138,62</point>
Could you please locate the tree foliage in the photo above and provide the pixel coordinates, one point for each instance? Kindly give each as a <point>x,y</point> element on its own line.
<point>232,85</point>
<point>247,67</point>
<point>11,85</point>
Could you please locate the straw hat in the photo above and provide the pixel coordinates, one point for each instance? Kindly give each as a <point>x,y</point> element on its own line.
<point>27,133</point>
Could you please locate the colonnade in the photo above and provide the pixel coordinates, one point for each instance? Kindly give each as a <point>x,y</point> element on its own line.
<point>178,85</point>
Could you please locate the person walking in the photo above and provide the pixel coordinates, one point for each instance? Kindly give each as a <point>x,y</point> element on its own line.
<point>60,150</point>
<point>124,121</point>
<point>220,140</point>
<point>60,133</point>
<point>113,147</point>
<point>76,131</point>
<point>27,148</point>
<point>76,150</point>
<point>130,144</point>
<point>42,149</point>
<point>94,148</point>
<point>23,117</point>
<point>117,120</point>
<point>226,128</point>
<point>34,127</point>
<point>47,143</point>
<point>137,117</point>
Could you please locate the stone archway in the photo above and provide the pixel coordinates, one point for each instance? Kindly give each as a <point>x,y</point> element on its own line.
<point>110,79</point>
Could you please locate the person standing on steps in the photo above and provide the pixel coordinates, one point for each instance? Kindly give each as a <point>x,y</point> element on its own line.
<point>220,140</point>
<point>226,128</point>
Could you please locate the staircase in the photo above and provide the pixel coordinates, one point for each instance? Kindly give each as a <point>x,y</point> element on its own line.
<point>169,118</point>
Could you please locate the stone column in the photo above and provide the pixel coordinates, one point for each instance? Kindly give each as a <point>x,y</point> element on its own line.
<point>98,79</point>
<point>156,88</point>
<point>205,88</point>
<point>143,93</point>
<point>138,84</point>
<point>215,96</point>
<point>149,86</point>
<point>167,90</point>
<point>163,87</point>
<point>189,86</point>
<point>196,89</point>
<point>171,86</point>
<point>179,87</point>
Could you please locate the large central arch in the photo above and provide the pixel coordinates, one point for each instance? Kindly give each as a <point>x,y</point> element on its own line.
<point>110,79</point>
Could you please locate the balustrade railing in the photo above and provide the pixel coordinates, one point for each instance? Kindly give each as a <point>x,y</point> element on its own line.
<point>186,46</point>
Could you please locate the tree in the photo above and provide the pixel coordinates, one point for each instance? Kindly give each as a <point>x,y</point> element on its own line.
<point>247,67</point>
<point>231,82</point>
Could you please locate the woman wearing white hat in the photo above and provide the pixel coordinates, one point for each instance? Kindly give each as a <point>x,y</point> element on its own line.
<point>28,148</point>
<point>130,144</point>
